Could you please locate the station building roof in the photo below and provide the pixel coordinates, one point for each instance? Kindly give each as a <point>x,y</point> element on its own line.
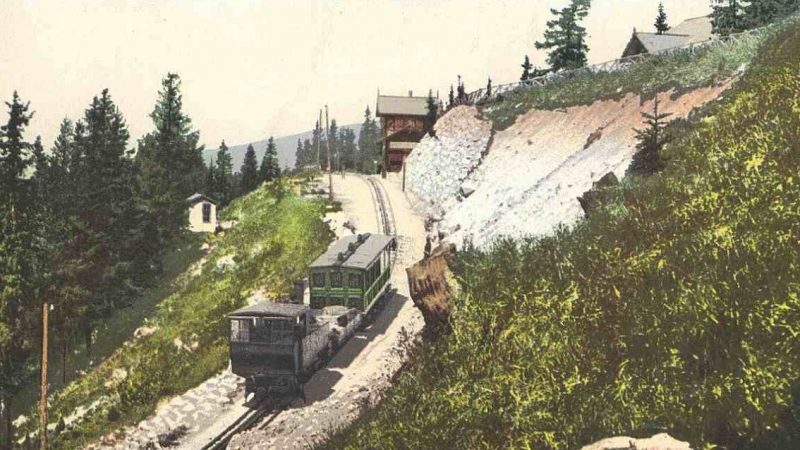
<point>357,251</point>
<point>391,105</point>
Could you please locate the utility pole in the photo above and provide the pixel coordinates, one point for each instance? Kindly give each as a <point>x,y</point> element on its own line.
<point>319,136</point>
<point>328,151</point>
<point>43,406</point>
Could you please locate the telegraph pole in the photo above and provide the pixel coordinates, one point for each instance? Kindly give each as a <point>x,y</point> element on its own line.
<point>43,405</point>
<point>319,136</point>
<point>328,151</point>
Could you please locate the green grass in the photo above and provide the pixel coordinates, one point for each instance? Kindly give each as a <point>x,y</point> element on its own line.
<point>675,308</point>
<point>275,236</point>
<point>681,71</point>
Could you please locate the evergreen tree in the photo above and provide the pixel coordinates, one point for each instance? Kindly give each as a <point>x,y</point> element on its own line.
<point>170,164</point>
<point>727,17</point>
<point>368,136</point>
<point>648,160</point>
<point>763,12</point>
<point>20,256</point>
<point>451,99</point>
<point>249,171</point>
<point>661,20</point>
<point>347,142</point>
<point>333,137</point>
<point>223,175</point>
<point>270,167</point>
<point>310,153</point>
<point>211,182</point>
<point>433,113</point>
<point>461,91</point>
<point>526,69</point>
<point>300,158</point>
<point>106,207</point>
<point>489,88</point>
<point>565,38</point>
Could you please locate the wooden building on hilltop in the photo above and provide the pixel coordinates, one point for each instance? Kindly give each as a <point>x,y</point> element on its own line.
<point>690,31</point>
<point>403,122</point>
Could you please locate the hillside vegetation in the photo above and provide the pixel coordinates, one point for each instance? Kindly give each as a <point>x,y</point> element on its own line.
<point>680,70</point>
<point>674,308</point>
<point>276,235</point>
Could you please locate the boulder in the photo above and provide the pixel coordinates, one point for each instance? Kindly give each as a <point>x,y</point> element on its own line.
<point>432,284</point>
<point>661,441</point>
<point>599,194</point>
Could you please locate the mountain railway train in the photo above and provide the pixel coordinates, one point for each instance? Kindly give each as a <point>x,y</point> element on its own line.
<point>276,347</point>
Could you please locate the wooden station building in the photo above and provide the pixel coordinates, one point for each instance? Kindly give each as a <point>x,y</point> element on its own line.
<point>403,121</point>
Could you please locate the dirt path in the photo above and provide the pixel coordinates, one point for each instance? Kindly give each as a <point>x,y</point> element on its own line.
<point>365,365</point>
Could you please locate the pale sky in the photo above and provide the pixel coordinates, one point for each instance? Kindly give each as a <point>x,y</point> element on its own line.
<point>254,68</point>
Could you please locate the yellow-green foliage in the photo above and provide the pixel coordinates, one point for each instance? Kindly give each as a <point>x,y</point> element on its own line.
<point>675,308</point>
<point>275,236</point>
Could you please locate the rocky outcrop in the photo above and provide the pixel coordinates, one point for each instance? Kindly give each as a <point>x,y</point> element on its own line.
<point>431,286</point>
<point>599,194</point>
<point>438,165</point>
<point>661,441</point>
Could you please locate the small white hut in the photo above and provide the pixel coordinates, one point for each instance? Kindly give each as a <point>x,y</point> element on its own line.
<point>202,214</point>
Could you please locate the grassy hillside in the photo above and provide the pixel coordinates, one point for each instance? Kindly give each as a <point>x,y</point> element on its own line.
<point>675,308</point>
<point>276,235</point>
<point>681,70</point>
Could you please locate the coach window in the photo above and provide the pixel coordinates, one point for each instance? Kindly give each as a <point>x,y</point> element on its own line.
<point>355,281</point>
<point>336,279</point>
<point>318,279</point>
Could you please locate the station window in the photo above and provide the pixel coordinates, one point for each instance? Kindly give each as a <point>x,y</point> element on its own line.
<point>206,212</point>
<point>240,330</point>
<point>336,279</point>
<point>355,281</point>
<point>318,280</point>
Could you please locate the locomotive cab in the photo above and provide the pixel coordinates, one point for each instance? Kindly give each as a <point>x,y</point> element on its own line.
<point>266,344</point>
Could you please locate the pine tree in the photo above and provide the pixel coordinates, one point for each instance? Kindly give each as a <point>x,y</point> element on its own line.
<point>270,166</point>
<point>336,150</point>
<point>210,184</point>
<point>310,153</point>
<point>106,207</point>
<point>763,12</point>
<point>526,69</point>
<point>565,38</point>
<point>648,160</point>
<point>223,175</point>
<point>451,99</point>
<point>300,158</point>
<point>20,255</point>
<point>661,20</point>
<point>727,17</point>
<point>170,164</point>
<point>249,171</point>
<point>432,113</point>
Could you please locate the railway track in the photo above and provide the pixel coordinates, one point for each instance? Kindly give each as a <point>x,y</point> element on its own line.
<point>385,213</point>
<point>265,412</point>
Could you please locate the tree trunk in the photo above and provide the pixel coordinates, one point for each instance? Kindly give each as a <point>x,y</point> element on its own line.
<point>64,360</point>
<point>9,439</point>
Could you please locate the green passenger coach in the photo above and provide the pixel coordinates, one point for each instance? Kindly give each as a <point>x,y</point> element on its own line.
<point>353,272</point>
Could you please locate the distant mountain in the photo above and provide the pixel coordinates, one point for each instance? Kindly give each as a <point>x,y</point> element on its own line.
<point>287,145</point>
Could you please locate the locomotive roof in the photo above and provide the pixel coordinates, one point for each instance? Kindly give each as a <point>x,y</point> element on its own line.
<point>360,257</point>
<point>270,308</point>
